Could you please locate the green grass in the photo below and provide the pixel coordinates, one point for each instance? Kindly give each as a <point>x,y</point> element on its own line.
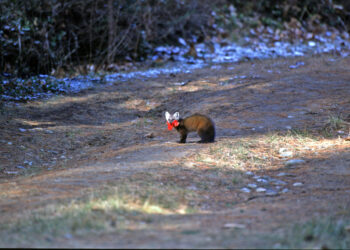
<point>104,211</point>
<point>334,123</point>
<point>327,233</point>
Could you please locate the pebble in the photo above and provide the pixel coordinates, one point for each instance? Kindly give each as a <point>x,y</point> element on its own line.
<point>252,185</point>
<point>68,236</point>
<point>271,192</point>
<point>9,143</point>
<point>281,174</point>
<point>262,180</point>
<point>285,190</point>
<point>28,162</point>
<point>289,127</point>
<point>11,172</point>
<point>234,225</point>
<point>279,182</point>
<point>149,135</point>
<point>22,129</point>
<point>249,173</point>
<point>21,167</point>
<point>260,189</point>
<point>294,162</point>
<point>286,174</point>
<point>285,153</point>
<point>246,190</point>
<point>182,83</point>
<point>192,188</point>
<point>311,43</point>
<point>297,184</point>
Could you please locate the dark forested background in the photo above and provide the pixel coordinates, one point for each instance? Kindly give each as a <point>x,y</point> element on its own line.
<point>38,36</point>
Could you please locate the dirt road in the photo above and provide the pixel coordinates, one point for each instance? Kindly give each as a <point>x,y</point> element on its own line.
<point>100,168</point>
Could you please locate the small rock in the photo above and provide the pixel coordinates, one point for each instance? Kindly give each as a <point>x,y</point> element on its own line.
<point>11,172</point>
<point>62,157</point>
<point>21,167</point>
<point>28,162</point>
<point>286,174</point>
<point>249,173</point>
<point>289,127</point>
<point>181,83</point>
<point>296,65</point>
<point>192,188</point>
<point>246,190</point>
<point>256,176</point>
<point>234,225</point>
<point>262,180</point>
<point>271,192</point>
<point>182,41</point>
<point>189,164</point>
<point>260,189</point>
<point>279,182</point>
<point>49,131</point>
<point>9,143</point>
<point>252,185</point>
<point>285,190</point>
<point>281,174</point>
<point>297,184</point>
<point>68,236</point>
<point>150,135</point>
<point>285,153</point>
<point>22,129</point>
<point>311,43</point>
<point>294,162</point>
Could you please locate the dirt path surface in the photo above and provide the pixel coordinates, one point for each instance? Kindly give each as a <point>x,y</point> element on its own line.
<point>100,168</point>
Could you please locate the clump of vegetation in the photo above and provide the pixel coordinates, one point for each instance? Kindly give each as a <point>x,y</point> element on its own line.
<point>37,37</point>
<point>17,89</point>
<point>335,123</point>
<point>51,37</point>
<point>327,233</point>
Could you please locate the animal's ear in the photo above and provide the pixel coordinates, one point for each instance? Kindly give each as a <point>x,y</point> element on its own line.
<point>167,115</point>
<point>176,115</point>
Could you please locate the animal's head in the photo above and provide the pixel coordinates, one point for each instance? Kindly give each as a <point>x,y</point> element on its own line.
<point>172,120</point>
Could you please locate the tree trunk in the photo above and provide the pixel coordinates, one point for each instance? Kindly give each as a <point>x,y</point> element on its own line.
<point>111,32</point>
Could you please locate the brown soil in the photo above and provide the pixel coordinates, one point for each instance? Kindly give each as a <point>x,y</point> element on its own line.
<point>74,145</point>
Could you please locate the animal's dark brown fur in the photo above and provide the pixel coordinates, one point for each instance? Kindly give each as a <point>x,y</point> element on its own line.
<point>202,124</point>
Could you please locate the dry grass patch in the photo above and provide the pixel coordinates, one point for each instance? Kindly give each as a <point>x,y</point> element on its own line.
<point>113,208</point>
<point>266,151</point>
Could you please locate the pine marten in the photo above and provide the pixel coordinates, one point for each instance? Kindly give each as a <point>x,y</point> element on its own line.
<point>202,124</point>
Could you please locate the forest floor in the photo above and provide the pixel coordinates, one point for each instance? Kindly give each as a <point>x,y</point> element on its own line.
<point>100,169</point>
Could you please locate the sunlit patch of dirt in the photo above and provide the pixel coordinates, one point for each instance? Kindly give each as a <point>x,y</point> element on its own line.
<point>62,149</point>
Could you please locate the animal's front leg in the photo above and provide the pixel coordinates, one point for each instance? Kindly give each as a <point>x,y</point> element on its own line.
<point>183,137</point>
